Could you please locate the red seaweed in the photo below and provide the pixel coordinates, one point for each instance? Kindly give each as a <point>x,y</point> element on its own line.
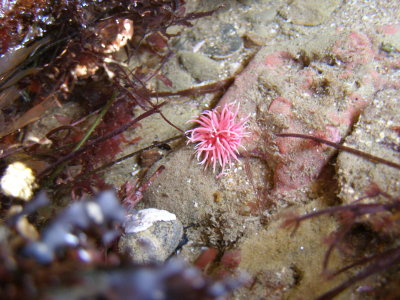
<point>382,218</point>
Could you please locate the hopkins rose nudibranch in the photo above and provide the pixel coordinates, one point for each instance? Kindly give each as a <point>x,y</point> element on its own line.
<point>219,136</point>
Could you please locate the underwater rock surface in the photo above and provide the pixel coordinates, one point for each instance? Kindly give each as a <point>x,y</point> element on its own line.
<point>151,235</point>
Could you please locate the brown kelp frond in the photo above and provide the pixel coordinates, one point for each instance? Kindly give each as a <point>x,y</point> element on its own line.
<point>198,90</point>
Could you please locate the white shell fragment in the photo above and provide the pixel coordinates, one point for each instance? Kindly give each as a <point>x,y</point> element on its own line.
<point>145,218</point>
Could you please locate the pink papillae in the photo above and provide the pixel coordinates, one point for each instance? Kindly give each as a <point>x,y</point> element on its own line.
<point>219,136</point>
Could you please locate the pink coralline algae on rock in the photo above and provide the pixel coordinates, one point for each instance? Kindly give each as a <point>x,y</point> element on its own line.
<point>219,136</point>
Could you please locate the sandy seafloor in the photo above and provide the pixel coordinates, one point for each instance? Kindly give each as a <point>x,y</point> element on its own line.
<point>328,68</point>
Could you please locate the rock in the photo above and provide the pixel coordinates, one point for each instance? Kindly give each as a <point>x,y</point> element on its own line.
<point>183,188</point>
<point>376,133</point>
<point>389,38</point>
<point>264,16</point>
<point>262,256</point>
<point>179,78</point>
<point>252,2</point>
<point>263,27</point>
<point>201,67</point>
<point>224,45</point>
<point>309,12</point>
<point>151,235</point>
